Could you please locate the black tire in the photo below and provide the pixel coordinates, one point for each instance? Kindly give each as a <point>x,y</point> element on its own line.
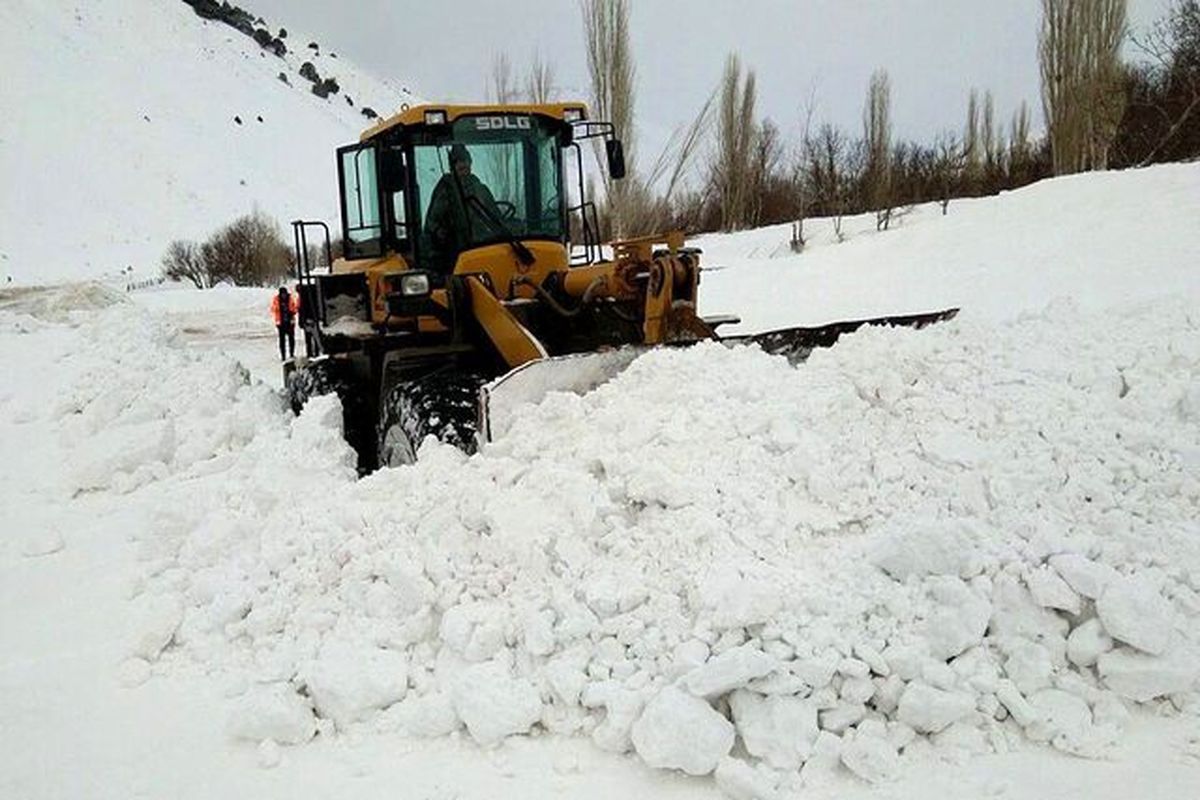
<point>444,405</point>
<point>313,379</point>
<point>329,376</point>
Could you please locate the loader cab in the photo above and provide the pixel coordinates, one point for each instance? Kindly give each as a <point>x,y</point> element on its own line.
<point>401,193</point>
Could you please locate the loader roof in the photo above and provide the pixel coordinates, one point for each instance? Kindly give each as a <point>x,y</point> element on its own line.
<point>415,115</point>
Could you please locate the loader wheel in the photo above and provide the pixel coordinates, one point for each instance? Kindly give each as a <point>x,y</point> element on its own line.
<point>312,380</point>
<point>444,405</point>
<point>327,376</point>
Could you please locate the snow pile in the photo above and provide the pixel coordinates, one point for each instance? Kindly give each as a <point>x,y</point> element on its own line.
<point>959,538</point>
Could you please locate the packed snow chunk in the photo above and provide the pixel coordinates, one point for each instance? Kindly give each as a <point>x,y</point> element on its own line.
<point>929,710</point>
<point>1049,590</point>
<point>493,703</point>
<point>1062,719</point>
<point>1029,667</point>
<point>680,731</point>
<point>1016,615</point>
<point>871,758</point>
<point>427,716</point>
<point>1087,643</point>
<point>779,729</point>
<point>1133,611</point>
<point>154,620</point>
<point>1140,677</point>
<point>842,716</point>
<point>475,631</point>
<point>927,547</point>
<point>349,682</point>
<point>42,542</point>
<point>959,621</point>
<point>731,600</point>
<point>275,712</point>
<point>1085,576</point>
<point>730,670</point>
<point>621,708</point>
<point>113,453</point>
<point>1018,707</point>
<point>737,780</point>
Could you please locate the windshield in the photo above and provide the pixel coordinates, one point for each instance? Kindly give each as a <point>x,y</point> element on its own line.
<point>497,177</point>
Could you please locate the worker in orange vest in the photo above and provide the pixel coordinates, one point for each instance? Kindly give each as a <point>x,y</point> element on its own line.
<point>284,308</point>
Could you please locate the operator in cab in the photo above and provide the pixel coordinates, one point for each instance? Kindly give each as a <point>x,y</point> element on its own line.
<point>462,211</point>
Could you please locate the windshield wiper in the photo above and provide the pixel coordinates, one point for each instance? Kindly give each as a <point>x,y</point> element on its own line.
<point>524,254</point>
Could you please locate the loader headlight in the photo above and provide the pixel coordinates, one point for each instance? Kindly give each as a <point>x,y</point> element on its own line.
<point>414,285</point>
<point>572,114</point>
<point>435,117</point>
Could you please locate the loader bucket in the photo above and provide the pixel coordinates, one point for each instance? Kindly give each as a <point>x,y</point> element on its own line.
<point>501,400</point>
<point>529,383</point>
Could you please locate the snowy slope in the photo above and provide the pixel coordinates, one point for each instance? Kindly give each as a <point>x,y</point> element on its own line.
<point>1099,239</point>
<point>946,557</point>
<point>119,133</point>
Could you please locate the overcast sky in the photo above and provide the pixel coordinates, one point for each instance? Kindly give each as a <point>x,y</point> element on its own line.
<point>934,50</point>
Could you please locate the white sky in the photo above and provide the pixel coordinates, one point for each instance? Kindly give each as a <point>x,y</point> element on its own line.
<point>934,50</point>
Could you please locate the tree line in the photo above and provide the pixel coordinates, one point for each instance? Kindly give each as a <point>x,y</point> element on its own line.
<point>1100,112</point>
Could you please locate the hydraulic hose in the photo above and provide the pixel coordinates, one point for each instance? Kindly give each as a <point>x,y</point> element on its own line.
<point>557,307</point>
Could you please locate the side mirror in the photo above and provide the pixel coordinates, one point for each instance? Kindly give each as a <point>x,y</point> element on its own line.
<point>616,158</point>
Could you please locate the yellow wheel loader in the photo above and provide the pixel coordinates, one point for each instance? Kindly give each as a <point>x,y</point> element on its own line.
<point>472,280</point>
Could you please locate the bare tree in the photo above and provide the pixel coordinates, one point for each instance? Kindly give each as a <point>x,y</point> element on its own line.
<point>1019,147</point>
<point>501,85</point>
<point>949,167</point>
<point>1170,84</point>
<point>732,165</point>
<point>800,181</point>
<point>668,172</point>
<point>828,174</point>
<point>972,148</point>
<point>250,251</point>
<point>877,133</point>
<point>183,261</point>
<point>1082,92</point>
<point>540,83</point>
<point>611,70</point>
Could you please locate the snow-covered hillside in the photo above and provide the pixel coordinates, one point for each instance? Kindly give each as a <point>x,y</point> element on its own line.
<point>1098,239</point>
<point>922,564</point>
<point>121,132</point>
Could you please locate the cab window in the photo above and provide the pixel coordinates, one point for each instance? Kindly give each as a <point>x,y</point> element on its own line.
<point>361,220</point>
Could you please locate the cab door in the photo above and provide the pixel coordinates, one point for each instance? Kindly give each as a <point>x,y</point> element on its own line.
<point>361,199</point>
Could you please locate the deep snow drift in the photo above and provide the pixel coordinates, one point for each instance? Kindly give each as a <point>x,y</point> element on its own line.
<point>120,133</point>
<point>975,539</point>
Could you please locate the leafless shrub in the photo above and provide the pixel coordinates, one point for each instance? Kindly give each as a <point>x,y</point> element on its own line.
<point>250,251</point>
<point>183,261</point>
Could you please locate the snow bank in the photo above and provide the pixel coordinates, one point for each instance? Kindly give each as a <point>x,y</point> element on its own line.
<point>959,538</point>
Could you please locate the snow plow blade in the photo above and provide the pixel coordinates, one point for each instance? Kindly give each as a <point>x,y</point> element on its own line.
<point>797,343</point>
<point>501,399</point>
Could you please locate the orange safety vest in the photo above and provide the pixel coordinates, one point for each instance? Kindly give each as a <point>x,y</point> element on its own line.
<point>293,307</point>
